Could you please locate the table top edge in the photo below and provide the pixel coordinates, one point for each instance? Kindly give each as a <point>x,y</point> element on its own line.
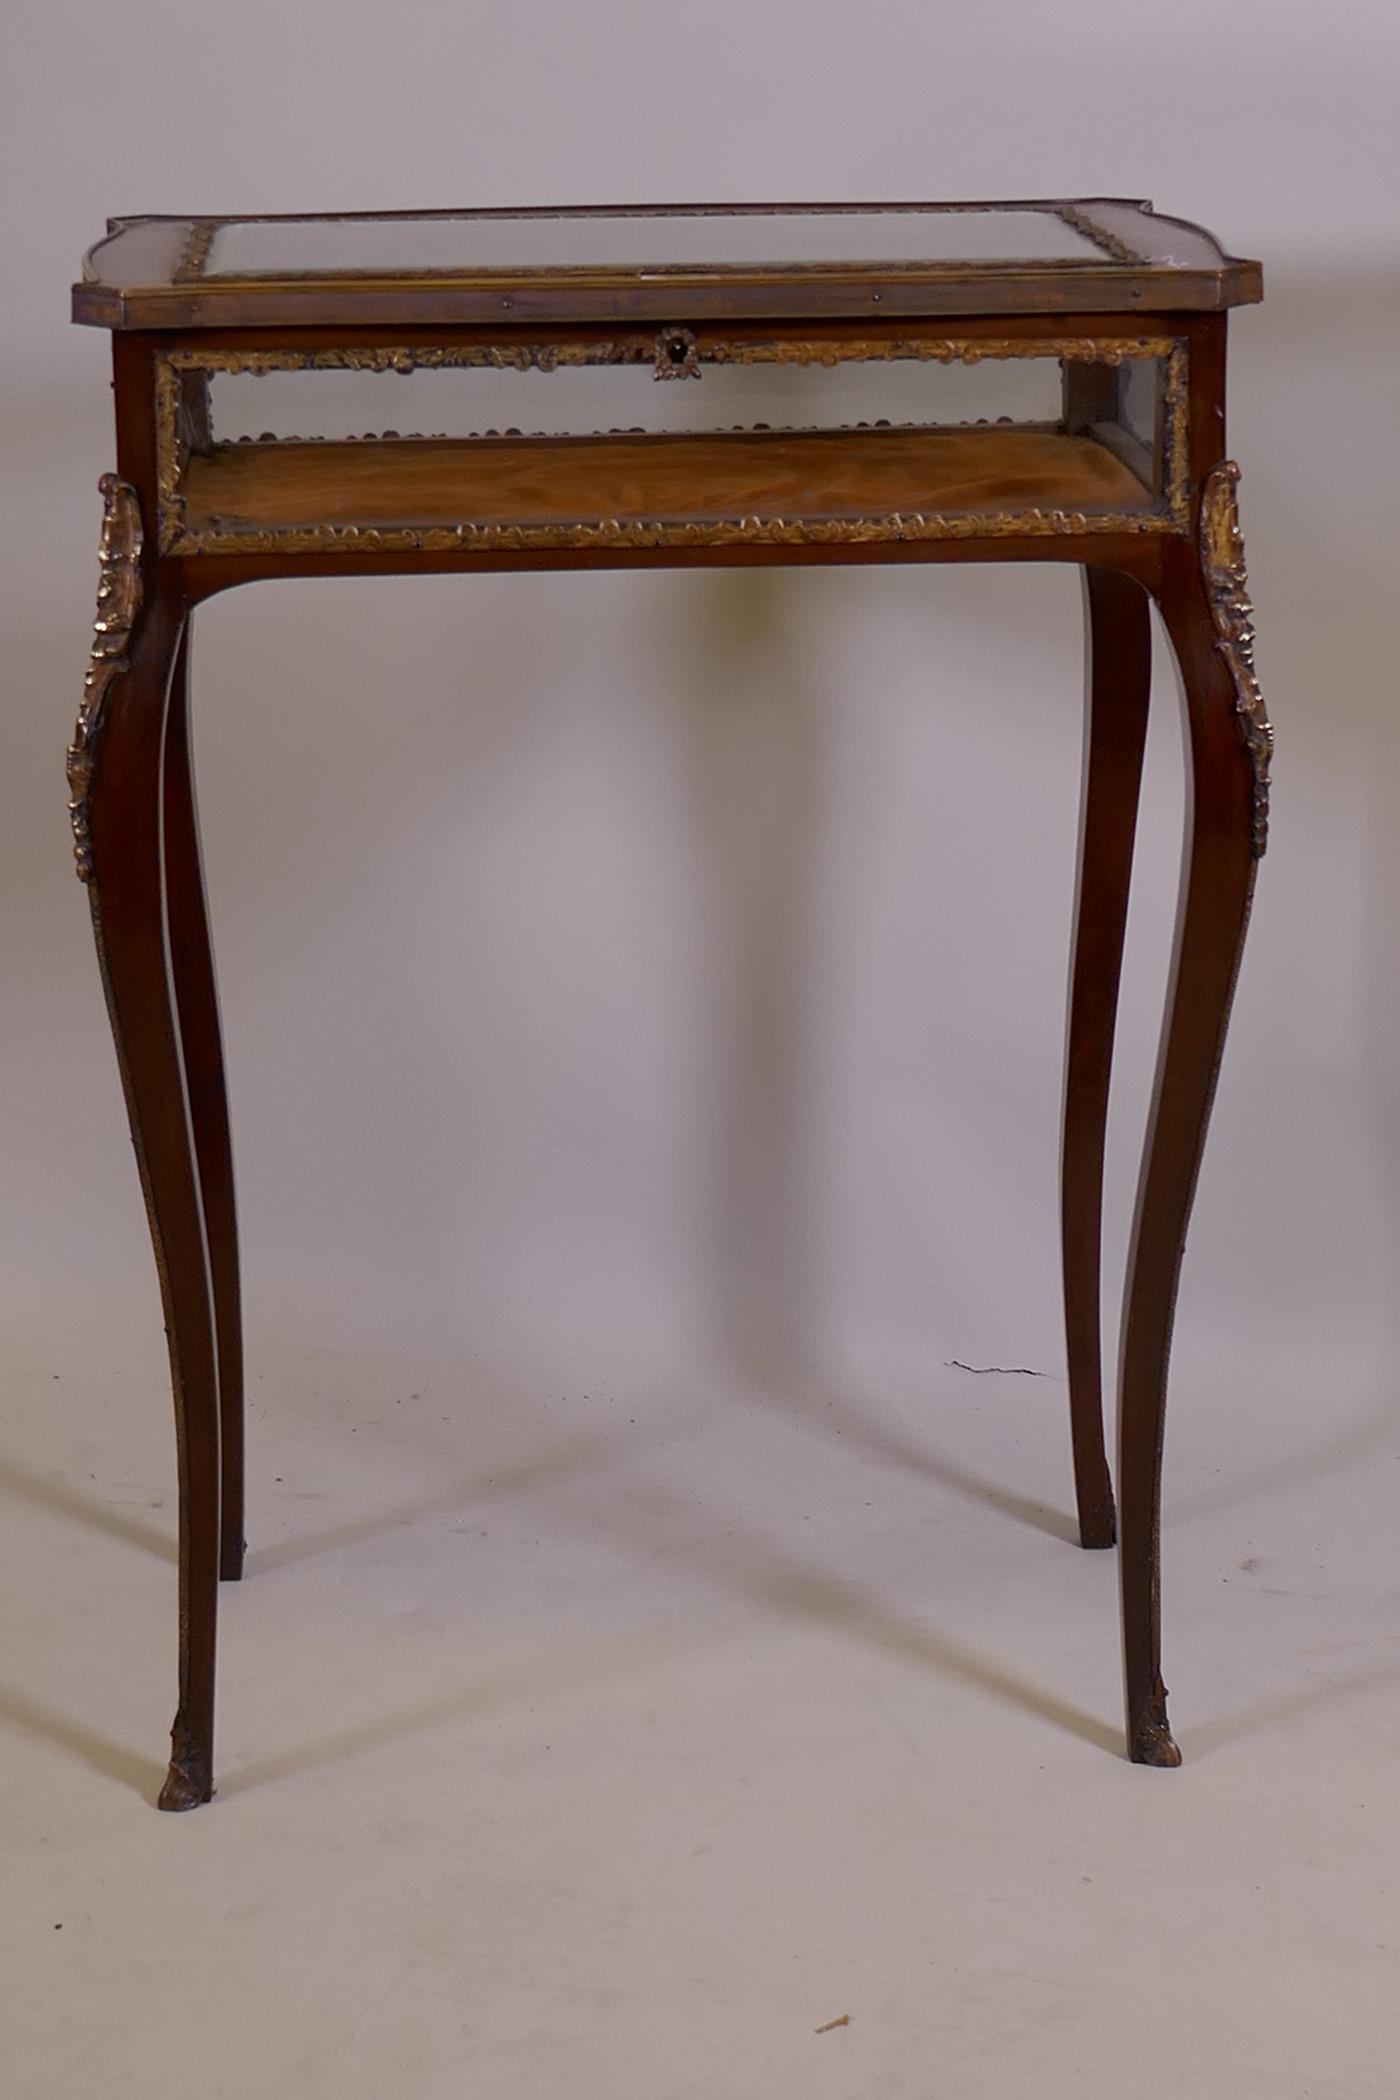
<point>177,294</point>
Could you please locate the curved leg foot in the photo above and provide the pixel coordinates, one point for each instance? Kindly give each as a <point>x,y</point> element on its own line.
<point>201,1039</point>
<point>115,776</point>
<point>1208,617</point>
<point>1152,1740</point>
<point>1120,670</point>
<point>190,1779</point>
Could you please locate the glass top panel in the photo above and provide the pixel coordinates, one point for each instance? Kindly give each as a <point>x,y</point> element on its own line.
<point>647,242</point>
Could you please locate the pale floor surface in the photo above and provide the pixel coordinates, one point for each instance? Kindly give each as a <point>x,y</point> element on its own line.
<point>611,1738</point>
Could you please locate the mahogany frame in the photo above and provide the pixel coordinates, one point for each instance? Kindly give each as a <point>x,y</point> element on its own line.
<point>136,840</point>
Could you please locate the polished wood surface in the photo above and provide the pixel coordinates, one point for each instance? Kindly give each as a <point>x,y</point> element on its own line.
<point>1120,674</point>
<point>1221,867</point>
<point>816,474</point>
<point>130,892</point>
<point>201,1044</point>
<point>1146,518</point>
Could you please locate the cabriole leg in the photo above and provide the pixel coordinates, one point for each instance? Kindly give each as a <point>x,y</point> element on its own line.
<point>115,776</point>
<point>201,1037</point>
<point>1120,668</point>
<point>1208,617</point>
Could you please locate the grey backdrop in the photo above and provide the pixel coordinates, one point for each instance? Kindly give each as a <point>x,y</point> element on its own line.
<point>644,1000</point>
<point>708,934</point>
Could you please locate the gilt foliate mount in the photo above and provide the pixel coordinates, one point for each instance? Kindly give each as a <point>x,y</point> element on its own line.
<point>118,603</point>
<point>1222,557</point>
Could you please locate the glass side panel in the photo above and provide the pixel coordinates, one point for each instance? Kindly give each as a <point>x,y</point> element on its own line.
<point>1138,403</point>
<point>645,242</point>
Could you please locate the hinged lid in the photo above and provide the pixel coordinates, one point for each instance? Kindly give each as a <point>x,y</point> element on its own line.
<point>675,263</point>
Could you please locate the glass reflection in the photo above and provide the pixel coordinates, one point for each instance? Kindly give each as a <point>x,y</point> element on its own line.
<point>646,242</point>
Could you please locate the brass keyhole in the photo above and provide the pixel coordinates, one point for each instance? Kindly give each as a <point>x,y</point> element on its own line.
<point>677,355</point>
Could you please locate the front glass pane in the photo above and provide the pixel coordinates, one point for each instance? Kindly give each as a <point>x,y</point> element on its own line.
<point>598,399</point>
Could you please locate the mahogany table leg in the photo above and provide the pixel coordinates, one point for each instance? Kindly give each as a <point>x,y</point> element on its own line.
<point>1208,617</point>
<point>115,775</point>
<point>192,965</point>
<point>1120,669</point>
